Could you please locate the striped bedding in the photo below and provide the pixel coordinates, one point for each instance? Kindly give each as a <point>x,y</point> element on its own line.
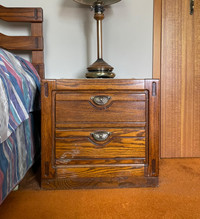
<point>20,91</point>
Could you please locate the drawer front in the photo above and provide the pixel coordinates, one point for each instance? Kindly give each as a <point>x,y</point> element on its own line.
<point>100,172</point>
<point>87,109</point>
<point>99,144</point>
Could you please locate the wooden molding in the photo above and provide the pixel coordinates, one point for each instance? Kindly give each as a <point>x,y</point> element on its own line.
<point>157,27</point>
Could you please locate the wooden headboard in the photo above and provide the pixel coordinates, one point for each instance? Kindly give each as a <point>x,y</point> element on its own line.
<point>34,42</point>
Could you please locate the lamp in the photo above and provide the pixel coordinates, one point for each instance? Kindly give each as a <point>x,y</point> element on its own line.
<point>99,69</point>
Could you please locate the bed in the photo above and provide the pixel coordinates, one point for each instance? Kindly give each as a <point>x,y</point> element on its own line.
<point>20,97</point>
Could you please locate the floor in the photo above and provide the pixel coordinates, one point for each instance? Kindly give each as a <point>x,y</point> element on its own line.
<point>178,196</point>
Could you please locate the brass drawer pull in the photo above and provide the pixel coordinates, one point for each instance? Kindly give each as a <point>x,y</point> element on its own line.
<point>100,135</point>
<point>101,100</point>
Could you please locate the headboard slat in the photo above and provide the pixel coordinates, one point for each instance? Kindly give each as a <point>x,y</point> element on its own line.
<point>21,14</point>
<point>34,42</point>
<point>21,42</point>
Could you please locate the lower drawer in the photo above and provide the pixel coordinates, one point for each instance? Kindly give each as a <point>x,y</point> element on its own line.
<point>93,144</point>
<point>101,171</point>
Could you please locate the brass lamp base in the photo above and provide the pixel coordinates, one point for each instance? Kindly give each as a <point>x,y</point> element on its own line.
<point>99,74</point>
<point>92,2</point>
<point>100,69</point>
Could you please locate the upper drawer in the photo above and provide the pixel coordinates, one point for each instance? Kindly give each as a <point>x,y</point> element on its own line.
<point>105,109</point>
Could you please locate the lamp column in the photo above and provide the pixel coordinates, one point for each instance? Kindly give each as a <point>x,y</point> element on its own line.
<point>99,16</point>
<point>99,69</point>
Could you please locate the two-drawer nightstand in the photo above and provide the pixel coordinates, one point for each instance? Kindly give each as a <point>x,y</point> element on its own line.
<point>100,133</point>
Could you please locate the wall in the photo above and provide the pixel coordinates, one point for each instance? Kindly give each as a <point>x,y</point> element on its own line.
<point>70,37</point>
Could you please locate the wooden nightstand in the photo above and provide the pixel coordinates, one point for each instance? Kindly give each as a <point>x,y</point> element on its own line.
<point>100,133</point>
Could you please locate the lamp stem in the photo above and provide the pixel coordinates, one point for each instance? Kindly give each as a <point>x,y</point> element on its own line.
<point>99,40</point>
<point>99,16</point>
<point>99,69</point>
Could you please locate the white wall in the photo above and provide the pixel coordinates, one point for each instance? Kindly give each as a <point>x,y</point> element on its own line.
<point>70,37</point>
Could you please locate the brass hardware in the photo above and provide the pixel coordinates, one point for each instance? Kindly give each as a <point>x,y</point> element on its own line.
<point>101,100</point>
<point>100,135</point>
<point>191,7</point>
<point>100,69</point>
<point>154,89</point>
<point>100,74</point>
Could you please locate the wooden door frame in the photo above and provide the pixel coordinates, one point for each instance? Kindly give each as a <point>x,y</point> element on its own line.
<point>157,28</point>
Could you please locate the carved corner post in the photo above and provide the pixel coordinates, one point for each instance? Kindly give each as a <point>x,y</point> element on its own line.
<point>153,86</point>
<point>47,135</point>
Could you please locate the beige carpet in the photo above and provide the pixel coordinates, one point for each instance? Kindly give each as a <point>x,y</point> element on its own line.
<point>178,196</point>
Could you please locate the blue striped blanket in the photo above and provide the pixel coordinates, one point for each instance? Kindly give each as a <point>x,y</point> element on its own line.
<point>19,85</point>
<point>20,91</point>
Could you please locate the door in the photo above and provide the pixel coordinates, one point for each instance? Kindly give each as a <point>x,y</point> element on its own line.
<point>180,79</point>
<point>178,66</point>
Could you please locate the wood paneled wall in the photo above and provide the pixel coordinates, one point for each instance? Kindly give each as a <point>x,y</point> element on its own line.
<point>180,79</point>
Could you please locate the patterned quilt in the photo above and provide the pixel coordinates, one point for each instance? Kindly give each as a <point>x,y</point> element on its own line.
<point>19,85</point>
<point>20,91</point>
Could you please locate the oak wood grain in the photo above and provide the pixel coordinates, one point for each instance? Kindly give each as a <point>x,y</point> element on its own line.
<point>105,161</point>
<point>130,154</point>
<point>133,132</point>
<point>103,84</point>
<point>101,171</point>
<point>82,145</point>
<point>79,108</point>
<point>123,147</point>
<point>47,133</point>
